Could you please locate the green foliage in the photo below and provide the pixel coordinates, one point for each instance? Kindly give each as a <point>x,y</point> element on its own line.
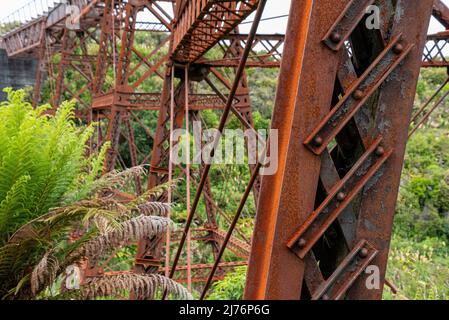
<point>430,80</point>
<point>263,83</point>
<point>231,287</point>
<point>41,159</point>
<point>423,205</point>
<point>420,270</point>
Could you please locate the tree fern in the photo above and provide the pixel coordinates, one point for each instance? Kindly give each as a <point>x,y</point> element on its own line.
<point>38,253</point>
<point>143,287</point>
<point>48,150</point>
<point>12,206</point>
<point>49,188</point>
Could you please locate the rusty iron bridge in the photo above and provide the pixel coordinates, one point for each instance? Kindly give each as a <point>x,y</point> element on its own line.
<point>343,111</point>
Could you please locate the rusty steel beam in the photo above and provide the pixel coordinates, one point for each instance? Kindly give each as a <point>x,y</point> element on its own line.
<point>119,25</point>
<point>25,40</point>
<point>201,24</point>
<point>232,94</point>
<point>423,115</point>
<point>152,101</point>
<point>435,50</point>
<point>316,233</point>
<point>269,57</point>
<point>441,13</point>
<point>159,159</point>
<point>201,271</point>
<point>274,272</point>
<point>341,145</point>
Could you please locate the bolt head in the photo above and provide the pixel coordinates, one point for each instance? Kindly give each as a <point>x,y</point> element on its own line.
<point>301,243</point>
<point>398,48</point>
<point>318,141</point>
<point>380,151</point>
<point>363,253</point>
<point>358,94</point>
<point>335,37</point>
<point>341,196</point>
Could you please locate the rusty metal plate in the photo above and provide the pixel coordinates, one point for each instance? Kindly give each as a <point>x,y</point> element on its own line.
<point>346,273</point>
<point>357,95</point>
<point>338,199</point>
<point>346,23</point>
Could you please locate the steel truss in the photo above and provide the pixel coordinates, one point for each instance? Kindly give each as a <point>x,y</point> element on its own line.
<point>342,141</point>
<point>343,105</point>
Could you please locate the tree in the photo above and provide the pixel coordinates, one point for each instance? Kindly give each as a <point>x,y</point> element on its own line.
<point>42,159</point>
<point>49,188</point>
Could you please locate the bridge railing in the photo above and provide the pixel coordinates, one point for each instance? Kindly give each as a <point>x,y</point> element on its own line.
<point>29,12</point>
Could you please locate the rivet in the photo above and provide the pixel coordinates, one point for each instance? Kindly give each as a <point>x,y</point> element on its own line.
<point>325,297</point>
<point>341,196</point>
<point>301,243</point>
<point>358,94</point>
<point>380,151</point>
<point>335,37</point>
<point>318,141</point>
<point>363,253</point>
<point>398,48</point>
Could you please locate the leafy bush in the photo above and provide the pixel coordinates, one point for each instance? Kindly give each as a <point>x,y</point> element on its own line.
<point>42,159</point>
<point>231,287</point>
<point>85,234</point>
<point>423,206</point>
<point>420,270</point>
<point>56,212</point>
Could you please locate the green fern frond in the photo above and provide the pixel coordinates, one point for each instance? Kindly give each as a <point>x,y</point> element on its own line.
<point>12,207</point>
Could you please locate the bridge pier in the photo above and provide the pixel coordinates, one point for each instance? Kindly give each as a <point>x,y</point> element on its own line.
<point>16,73</point>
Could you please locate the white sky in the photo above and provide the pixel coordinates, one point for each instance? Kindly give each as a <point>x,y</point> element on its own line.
<point>273,8</point>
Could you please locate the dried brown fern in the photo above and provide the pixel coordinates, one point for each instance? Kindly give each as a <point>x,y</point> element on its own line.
<point>128,231</point>
<point>141,287</point>
<point>96,248</point>
<point>153,208</point>
<point>44,272</point>
<point>117,179</point>
<point>108,224</point>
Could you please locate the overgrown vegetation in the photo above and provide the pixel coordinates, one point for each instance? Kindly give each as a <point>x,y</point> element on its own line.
<point>42,161</point>
<point>57,212</point>
<point>419,257</point>
<point>47,175</point>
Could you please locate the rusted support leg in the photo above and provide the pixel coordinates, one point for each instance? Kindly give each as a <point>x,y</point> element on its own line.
<point>341,151</point>
<point>395,108</point>
<point>113,135</point>
<point>150,250</point>
<point>132,149</point>
<point>61,68</point>
<point>106,37</point>
<point>286,198</point>
<point>40,70</point>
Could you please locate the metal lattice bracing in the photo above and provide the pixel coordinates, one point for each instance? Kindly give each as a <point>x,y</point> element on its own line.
<point>343,107</point>
<point>343,128</point>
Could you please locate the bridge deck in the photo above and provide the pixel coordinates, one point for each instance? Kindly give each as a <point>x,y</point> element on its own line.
<point>202,23</point>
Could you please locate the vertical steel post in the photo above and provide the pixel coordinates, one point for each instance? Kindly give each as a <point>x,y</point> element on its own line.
<point>326,215</point>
